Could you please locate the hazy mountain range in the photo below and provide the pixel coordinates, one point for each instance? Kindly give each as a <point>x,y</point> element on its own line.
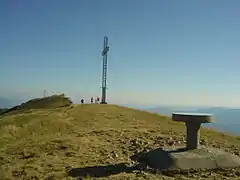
<point>10,102</point>
<point>227,120</point>
<point>6,103</point>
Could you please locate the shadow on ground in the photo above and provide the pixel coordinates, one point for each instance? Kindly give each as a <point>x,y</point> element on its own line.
<point>100,171</point>
<point>158,159</point>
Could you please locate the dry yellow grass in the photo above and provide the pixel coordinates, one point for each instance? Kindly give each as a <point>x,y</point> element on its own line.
<point>45,143</point>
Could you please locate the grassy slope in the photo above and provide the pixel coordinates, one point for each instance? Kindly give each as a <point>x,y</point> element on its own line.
<point>39,144</point>
<point>39,103</point>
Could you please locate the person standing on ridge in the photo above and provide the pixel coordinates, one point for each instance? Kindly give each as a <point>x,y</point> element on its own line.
<point>91,100</point>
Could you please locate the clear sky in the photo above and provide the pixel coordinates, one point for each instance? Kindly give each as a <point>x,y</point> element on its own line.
<point>161,51</point>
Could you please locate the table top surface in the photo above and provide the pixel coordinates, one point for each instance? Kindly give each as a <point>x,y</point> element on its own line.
<point>192,114</point>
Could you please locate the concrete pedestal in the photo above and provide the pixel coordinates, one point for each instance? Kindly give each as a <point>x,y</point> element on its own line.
<point>202,158</point>
<point>193,123</point>
<point>193,135</point>
<point>192,156</point>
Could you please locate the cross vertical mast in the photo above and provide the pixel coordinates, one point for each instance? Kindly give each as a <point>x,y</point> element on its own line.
<point>104,71</point>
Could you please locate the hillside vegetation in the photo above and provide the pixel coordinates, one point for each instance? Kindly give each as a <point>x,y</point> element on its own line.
<point>58,140</point>
<point>49,102</point>
<point>2,110</point>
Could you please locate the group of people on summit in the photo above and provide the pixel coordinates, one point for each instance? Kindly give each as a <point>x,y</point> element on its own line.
<point>97,100</point>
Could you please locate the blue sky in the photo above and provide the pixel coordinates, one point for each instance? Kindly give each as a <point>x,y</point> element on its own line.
<point>161,51</point>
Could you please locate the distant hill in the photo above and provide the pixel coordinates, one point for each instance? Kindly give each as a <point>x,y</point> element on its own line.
<point>54,101</point>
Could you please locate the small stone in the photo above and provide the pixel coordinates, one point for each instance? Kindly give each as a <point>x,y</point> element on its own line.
<point>178,142</point>
<point>171,143</point>
<point>203,142</point>
<point>237,153</point>
<point>125,152</point>
<point>159,138</point>
<point>115,155</point>
<point>68,168</point>
<point>80,178</point>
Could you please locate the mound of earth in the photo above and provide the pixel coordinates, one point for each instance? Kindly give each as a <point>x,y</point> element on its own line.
<point>49,102</point>
<point>96,141</point>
